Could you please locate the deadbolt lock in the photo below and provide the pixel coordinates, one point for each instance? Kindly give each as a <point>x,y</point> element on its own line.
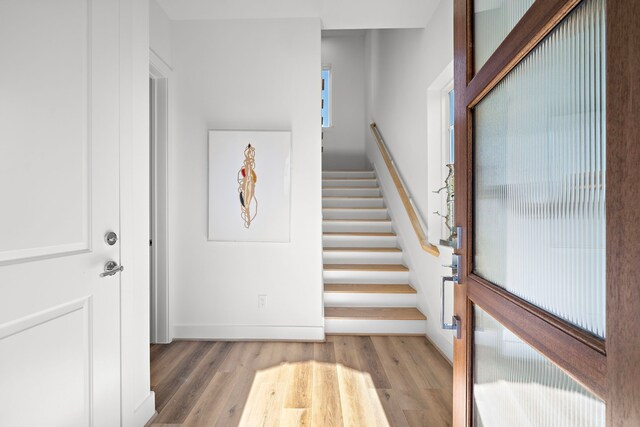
<point>111,238</point>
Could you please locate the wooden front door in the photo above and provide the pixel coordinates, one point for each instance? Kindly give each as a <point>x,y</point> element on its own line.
<point>59,196</point>
<point>547,197</point>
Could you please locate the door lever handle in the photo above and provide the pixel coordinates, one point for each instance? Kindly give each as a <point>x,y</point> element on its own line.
<point>111,268</point>
<point>455,320</point>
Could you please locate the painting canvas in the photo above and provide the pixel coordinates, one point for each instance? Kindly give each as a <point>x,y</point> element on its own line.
<point>249,186</point>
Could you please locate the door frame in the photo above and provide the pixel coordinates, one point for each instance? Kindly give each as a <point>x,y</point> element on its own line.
<point>160,313</point>
<point>607,367</point>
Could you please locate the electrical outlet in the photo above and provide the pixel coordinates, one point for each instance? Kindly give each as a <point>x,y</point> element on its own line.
<point>262,301</point>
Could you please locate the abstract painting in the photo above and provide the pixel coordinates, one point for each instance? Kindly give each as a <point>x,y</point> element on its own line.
<point>249,186</point>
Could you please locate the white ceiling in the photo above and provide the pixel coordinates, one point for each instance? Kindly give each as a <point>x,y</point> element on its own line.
<point>335,14</point>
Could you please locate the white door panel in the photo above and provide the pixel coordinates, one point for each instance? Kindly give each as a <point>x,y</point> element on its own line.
<point>63,332</point>
<point>59,195</point>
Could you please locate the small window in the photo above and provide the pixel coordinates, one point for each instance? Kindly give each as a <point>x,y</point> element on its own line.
<point>326,83</point>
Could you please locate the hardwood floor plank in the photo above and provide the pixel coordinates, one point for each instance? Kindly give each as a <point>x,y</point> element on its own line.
<point>213,400</point>
<point>326,408</point>
<point>400,375</point>
<point>354,398</point>
<point>390,414</point>
<point>326,405</point>
<point>345,350</point>
<point>183,401</point>
<point>241,356</point>
<point>167,359</point>
<point>429,363</point>
<point>179,374</point>
<point>268,355</point>
<point>298,352</point>
<point>414,399</point>
<point>370,362</point>
<point>156,350</point>
<point>300,386</point>
<point>421,418</point>
<point>353,383</point>
<point>266,397</point>
<point>422,374</point>
<point>238,395</point>
<point>324,352</point>
<point>295,418</point>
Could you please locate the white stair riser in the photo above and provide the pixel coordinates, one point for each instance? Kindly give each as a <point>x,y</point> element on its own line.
<point>351,191</point>
<point>348,174</point>
<point>374,277</point>
<point>355,214</point>
<point>359,226</point>
<point>366,326</point>
<point>352,203</point>
<point>349,183</point>
<point>338,257</point>
<point>339,299</point>
<point>359,241</point>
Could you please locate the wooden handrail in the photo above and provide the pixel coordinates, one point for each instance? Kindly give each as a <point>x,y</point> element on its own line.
<point>404,196</point>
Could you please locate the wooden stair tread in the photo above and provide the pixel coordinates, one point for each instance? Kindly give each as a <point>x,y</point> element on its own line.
<point>360,249</point>
<point>350,188</point>
<point>348,171</point>
<point>374,313</point>
<point>354,208</point>
<point>363,288</point>
<point>352,197</point>
<point>345,179</point>
<point>357,233</point>
<point>365,267</point>
<point>355,220</point>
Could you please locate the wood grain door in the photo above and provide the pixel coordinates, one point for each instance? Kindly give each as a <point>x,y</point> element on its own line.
<point>59,196</point>
<point>547,194</point>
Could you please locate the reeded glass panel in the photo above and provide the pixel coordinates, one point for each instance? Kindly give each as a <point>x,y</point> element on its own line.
<point>492,21</point>
<point>540,174</point>
<point>514,385</point>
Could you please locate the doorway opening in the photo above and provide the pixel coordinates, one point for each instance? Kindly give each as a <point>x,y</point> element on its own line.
<point>158,198</point>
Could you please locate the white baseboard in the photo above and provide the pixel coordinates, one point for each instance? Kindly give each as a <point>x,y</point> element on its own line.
<point>145,411</point>
<point>249,332</point>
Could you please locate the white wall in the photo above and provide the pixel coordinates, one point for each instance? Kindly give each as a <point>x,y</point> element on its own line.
<point>352,14</point>
<point>255,75</point>
<point>403,67</point>
<point>343,142</point>
<point>334,14</point>
<point>159,32</point>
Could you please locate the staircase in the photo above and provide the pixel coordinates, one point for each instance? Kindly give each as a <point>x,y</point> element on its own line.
<point>366,284</point>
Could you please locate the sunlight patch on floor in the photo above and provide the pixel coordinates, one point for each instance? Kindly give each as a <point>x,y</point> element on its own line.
<point>304,394</point>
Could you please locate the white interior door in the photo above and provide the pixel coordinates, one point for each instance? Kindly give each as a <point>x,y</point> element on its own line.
<point>59,195</point>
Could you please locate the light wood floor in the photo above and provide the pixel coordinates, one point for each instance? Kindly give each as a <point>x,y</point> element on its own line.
<point>347,381</point>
